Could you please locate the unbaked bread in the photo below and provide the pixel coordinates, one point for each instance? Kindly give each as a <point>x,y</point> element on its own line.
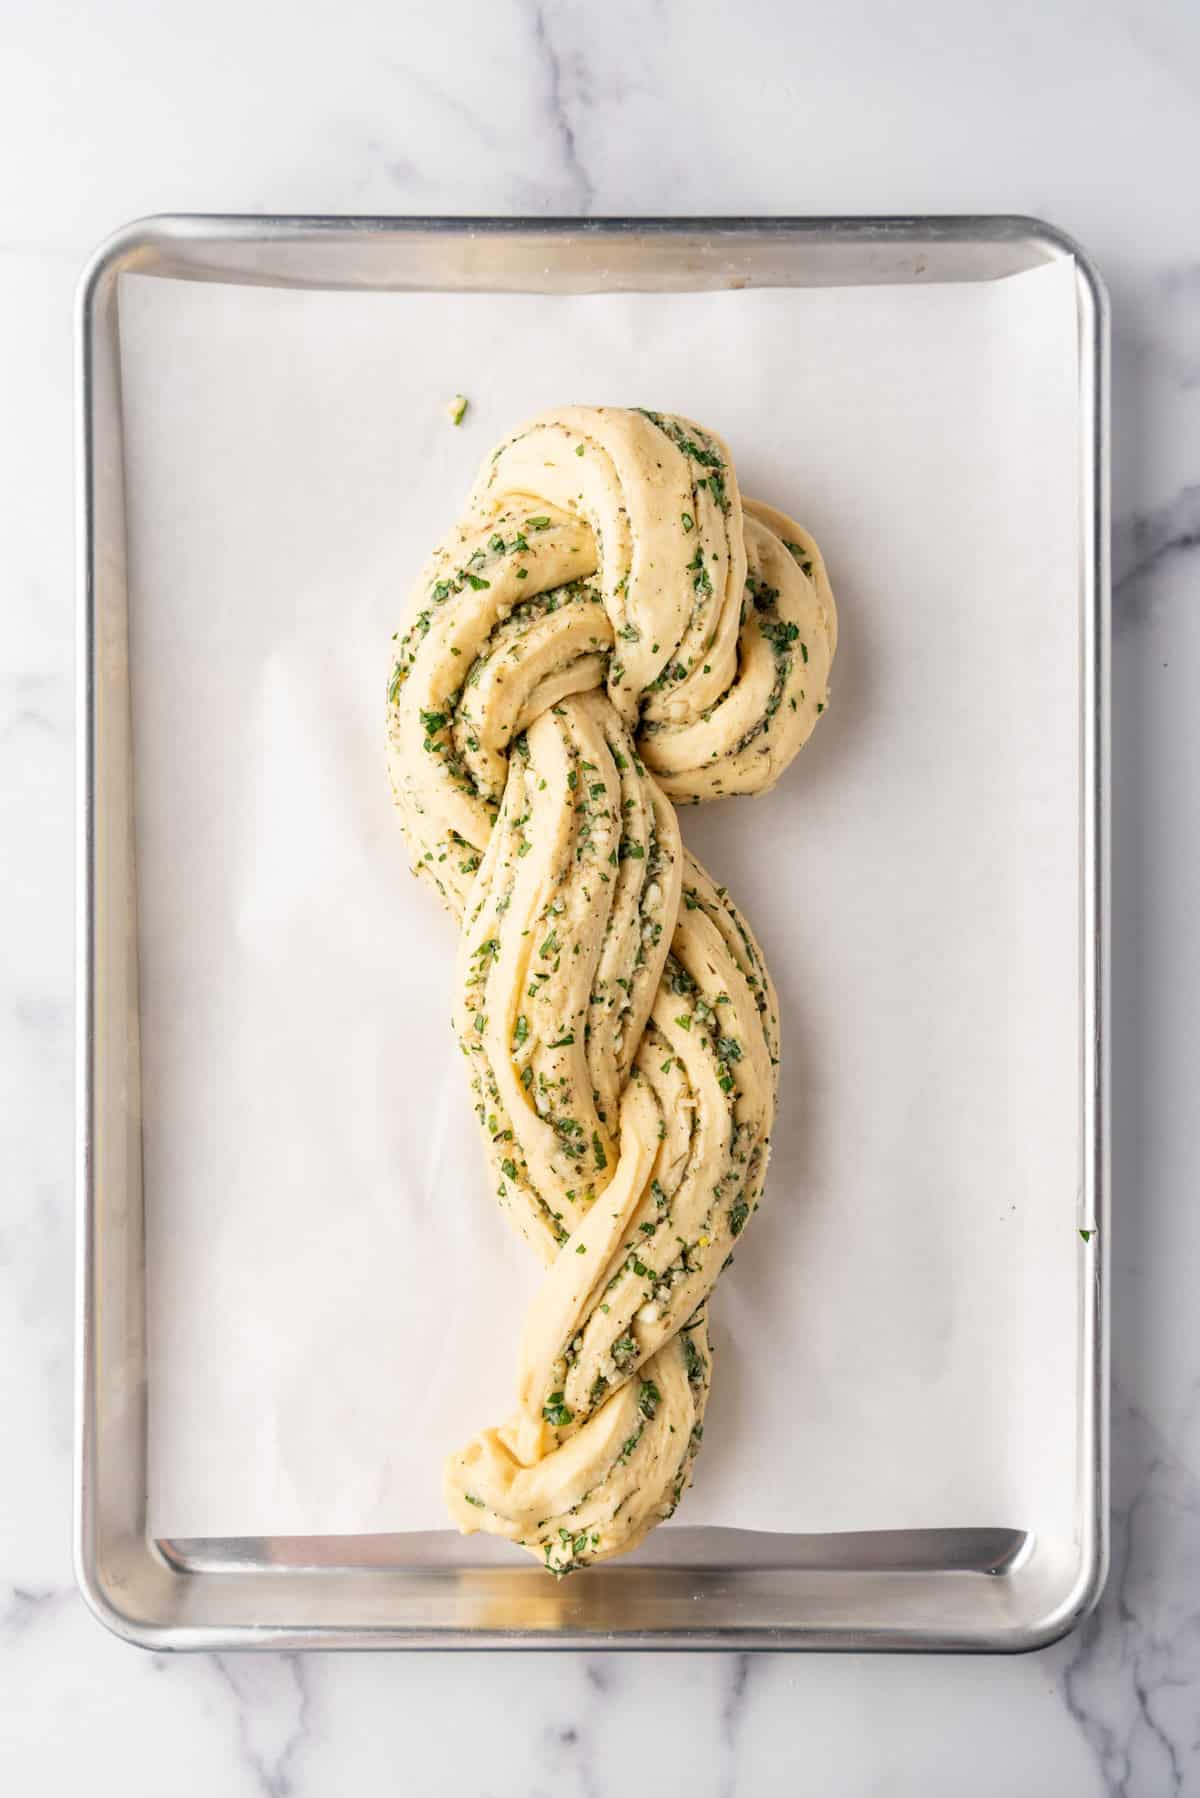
<point>610,628</point>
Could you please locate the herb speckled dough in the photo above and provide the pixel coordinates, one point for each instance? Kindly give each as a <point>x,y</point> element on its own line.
<point>609,632</point>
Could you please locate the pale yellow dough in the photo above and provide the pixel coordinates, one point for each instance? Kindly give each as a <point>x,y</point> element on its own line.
<point>610,628</point>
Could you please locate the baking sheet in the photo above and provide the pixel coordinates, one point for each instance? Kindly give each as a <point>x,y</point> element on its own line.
<point>334,1302</point>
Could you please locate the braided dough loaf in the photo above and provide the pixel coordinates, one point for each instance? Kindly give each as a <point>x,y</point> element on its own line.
<point>610,628</point>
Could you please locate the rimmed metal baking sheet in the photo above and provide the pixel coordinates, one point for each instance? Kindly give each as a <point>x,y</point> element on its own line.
<point>983,1589</point>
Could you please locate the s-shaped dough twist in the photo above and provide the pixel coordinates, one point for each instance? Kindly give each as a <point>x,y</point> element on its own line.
<point>610,628</point>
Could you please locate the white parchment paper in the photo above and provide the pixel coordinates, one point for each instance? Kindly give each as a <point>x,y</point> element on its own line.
<point>334,1297</point>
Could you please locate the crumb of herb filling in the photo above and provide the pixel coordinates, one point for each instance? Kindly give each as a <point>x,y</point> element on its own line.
<point>456,409</point>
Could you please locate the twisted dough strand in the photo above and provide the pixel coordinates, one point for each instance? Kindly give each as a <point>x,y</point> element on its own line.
<point>610,628</point>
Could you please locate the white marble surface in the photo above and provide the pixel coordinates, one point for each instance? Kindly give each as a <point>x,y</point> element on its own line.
<point>1085,111</point>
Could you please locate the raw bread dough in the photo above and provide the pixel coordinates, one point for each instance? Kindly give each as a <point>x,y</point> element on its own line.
<point>610,628</point>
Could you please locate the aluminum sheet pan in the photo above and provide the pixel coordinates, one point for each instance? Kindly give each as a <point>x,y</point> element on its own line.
<point>937,1590</point>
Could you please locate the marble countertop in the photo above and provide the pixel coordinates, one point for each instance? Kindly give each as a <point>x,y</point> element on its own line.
<point>1086,112</point>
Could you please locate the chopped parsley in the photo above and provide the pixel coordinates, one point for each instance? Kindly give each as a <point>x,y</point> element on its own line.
<point>693,1359</point>
<point>701,583</point>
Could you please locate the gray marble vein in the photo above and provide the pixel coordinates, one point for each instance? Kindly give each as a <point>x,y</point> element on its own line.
<point>1132,1677</point>
<point>23,1604</point>
<point>1143,543</point>
<point>272,1699</point>
<point>564,95</point>
<point>738,1672</point>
